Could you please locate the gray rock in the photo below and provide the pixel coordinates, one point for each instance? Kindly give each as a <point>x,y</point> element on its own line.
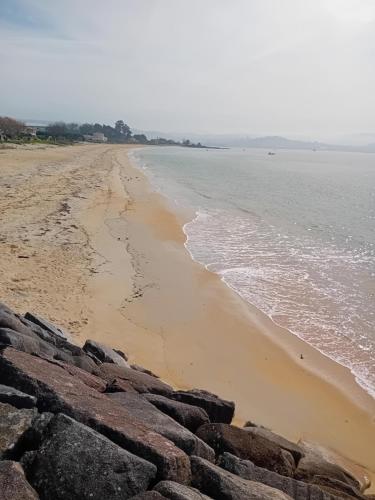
<point>295,489</point>
<point>189,416</point>
<point>58,391</point>
<point>264,453</point>
<point>148,495</point>
<point>283,443</point>
<point>13,424</point>
<point>13,483</point>
<point>34,435</point>
<point>143,370</point>
<point>9,320</point>
<point>78,463</point>
<point>46,325</point>
<point>34,335</point>
<point>314,468</point>
<point>141,382</point>
<point>104,353</point>
<point>218,410</point>
<point>335,487</point>
<point>120,385</point>
<point>16,398</point>
<point>222,485</point>
<point>40,332</point>
<point>32,344</point>
<point>26,343</point>
<point>176,491</point>
<point>158,421</point>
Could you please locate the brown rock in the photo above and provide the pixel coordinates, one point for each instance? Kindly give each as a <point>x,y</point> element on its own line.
<point>104,353</point>
<point>13,483</point>
<point>339,488</point>
<point>58,391</point>
<point>218,410</point>
<point>191,417</point>
<point>227,438</point>
<point>26,343</point>
<point>143,370</point>
<point>75,462</point>
<point>314,468</point>
<point>295,489</point>
<point>141,382</point>
<point>148,495</point>
<point>87,378</point>
<point>147,413</point>
<point>283,443</point>
<point>176,491</point>
<point>119,385</point>
<point>222,485</point>
<point>46,325</point>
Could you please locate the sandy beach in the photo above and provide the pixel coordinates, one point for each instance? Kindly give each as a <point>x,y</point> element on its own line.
<point>88,244</point>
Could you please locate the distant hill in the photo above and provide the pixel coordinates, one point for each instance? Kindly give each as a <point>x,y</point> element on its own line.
<point>265,142</point>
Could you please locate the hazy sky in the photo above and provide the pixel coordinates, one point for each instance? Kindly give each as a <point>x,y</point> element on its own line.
<point>221,66</point>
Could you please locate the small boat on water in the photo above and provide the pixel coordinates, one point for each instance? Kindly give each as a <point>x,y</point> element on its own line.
<point>271,153</point>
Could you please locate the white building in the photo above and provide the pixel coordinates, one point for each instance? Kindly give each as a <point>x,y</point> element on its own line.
<point>95,137</point>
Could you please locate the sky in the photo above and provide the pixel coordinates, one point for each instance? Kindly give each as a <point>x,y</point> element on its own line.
<point>257,67</point>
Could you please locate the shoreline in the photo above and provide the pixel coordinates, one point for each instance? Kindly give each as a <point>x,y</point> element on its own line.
<point>363,386</point>
<point>131,282</point>
<point>186,217</point>
<point>314,364</point>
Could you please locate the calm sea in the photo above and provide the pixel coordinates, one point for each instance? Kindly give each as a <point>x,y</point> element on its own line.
<point>293,233</point>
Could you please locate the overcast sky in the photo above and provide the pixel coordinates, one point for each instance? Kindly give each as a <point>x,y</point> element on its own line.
<point>220,66</point>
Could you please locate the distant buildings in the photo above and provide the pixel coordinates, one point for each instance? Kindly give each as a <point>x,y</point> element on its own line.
<point>95,137</point>
<point>30,131</point>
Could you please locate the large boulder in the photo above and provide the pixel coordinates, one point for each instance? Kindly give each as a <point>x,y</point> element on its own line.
<point>222,485</point>
<point>87,378</point>
<point>46,325</point>
<point>264,453</point>
<point>143,370</point>
<point>189,416</point>
<point>13,483</point>
<point>283,443</point>
<point>104,353</point>
<point>16,398</point>
<point>34,335</point>
<point>340,489</point>
<point>147,413</point>
<point>9,320</point>
<point>176,491</point>
<point>13,424</point>
<point>141,382</point>
<point>78,463</point>
<point>218,410</point>
<point>295,489</point>
<point>148,495</point>
<point>120,385</point>
<point>313,468</point>
<point>58,391</point>
<point>26,343</point>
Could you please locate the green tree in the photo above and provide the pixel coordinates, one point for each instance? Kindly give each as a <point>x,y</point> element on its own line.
<point>123,131</point>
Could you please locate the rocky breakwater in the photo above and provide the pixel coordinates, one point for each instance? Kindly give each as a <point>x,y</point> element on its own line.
<point>81,423</point>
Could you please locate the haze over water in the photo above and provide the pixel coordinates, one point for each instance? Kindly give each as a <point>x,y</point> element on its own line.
<point>293,233</point>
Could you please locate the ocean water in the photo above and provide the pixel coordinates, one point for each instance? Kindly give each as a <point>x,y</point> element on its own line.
<point>293,233</point>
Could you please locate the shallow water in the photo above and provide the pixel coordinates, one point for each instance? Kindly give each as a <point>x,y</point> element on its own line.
<point>293,233</point>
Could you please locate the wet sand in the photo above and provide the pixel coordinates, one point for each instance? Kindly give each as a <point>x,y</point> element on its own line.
<point>105,258</point>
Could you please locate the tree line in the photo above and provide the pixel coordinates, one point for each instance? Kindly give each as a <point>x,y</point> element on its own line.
<point>120,133</point>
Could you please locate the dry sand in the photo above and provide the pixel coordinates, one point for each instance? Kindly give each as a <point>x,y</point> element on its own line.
<point>86,243</point>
